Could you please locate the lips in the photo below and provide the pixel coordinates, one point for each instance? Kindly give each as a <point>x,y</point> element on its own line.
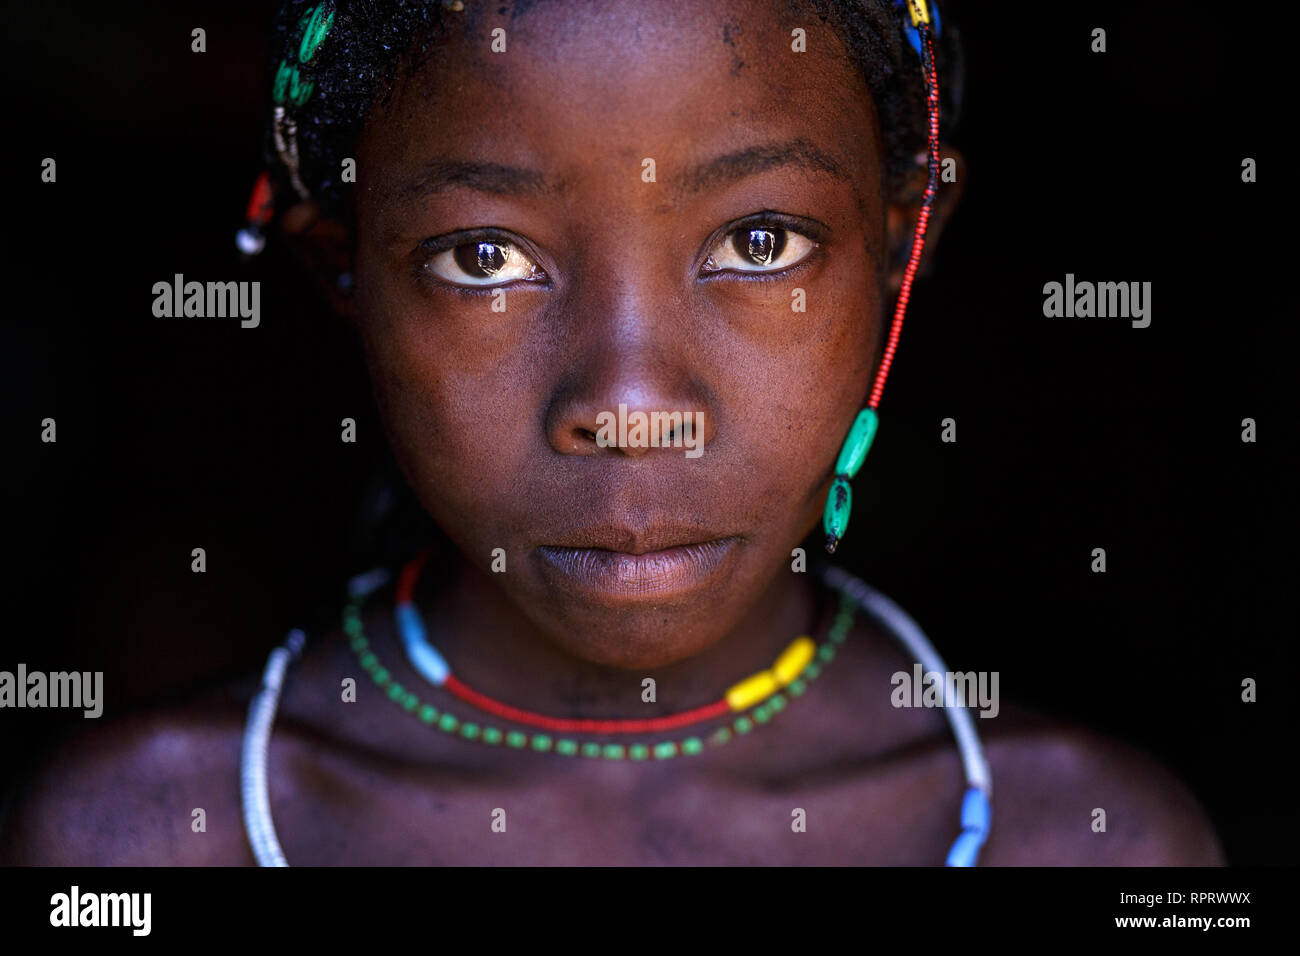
<point>621,566</point>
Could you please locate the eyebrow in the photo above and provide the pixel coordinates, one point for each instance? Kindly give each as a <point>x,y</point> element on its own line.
<point>797,153</point>
<point>444,174</point>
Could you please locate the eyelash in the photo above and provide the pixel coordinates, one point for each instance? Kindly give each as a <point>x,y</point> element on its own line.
<point>425,252</point>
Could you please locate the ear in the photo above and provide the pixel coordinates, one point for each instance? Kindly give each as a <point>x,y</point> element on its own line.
<point>901,213</point>
<point>324,247</point>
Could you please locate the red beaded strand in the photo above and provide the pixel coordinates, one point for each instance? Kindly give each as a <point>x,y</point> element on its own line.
<point>922,219</point>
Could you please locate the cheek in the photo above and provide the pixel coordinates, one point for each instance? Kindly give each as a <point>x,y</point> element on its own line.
<point>796,390</point>
<point>459,409</point>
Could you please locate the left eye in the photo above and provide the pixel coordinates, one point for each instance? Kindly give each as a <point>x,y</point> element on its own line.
<point>758,249</point>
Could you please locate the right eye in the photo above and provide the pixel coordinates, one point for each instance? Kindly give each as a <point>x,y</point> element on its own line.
<point>484,262</point>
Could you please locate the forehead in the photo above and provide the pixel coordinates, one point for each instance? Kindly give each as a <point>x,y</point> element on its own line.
<point>585,88</point>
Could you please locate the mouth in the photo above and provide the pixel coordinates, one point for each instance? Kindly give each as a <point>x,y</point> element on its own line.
<point>622,568</point>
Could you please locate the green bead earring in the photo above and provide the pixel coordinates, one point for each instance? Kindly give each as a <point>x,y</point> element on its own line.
<point>839,502</point>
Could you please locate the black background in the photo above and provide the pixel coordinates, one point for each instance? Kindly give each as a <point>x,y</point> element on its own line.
<point>1072,434</point>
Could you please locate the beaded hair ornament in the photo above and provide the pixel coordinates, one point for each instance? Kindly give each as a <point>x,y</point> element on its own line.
<point>291,89</point>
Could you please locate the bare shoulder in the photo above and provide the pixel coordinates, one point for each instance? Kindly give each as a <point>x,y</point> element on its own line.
<point>129,791</point>
<point>1064,796</point>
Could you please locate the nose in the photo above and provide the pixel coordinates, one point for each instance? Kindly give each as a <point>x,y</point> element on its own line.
<point>634,384</point>
<point>629,422</point>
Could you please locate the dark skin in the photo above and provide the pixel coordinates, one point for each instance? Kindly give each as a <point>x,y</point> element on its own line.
<point>491,415</point>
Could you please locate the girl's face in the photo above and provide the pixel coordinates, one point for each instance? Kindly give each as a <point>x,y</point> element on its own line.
<point>654,205</point>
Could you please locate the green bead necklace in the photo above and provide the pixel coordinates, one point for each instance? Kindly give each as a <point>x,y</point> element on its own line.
<point>449,723</point>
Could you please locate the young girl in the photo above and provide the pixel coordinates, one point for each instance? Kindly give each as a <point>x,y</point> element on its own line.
<point>545,219</point>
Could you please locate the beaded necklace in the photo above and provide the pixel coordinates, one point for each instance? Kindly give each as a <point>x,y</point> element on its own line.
<point>799,665</point>
<point>976,809</point>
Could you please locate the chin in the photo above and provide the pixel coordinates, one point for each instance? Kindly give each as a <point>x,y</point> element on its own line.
<point>647,635</point>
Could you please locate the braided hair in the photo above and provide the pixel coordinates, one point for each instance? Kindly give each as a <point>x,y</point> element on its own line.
<point>331,61</point>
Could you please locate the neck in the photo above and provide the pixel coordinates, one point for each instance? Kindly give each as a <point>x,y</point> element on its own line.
<point>494,648</point>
